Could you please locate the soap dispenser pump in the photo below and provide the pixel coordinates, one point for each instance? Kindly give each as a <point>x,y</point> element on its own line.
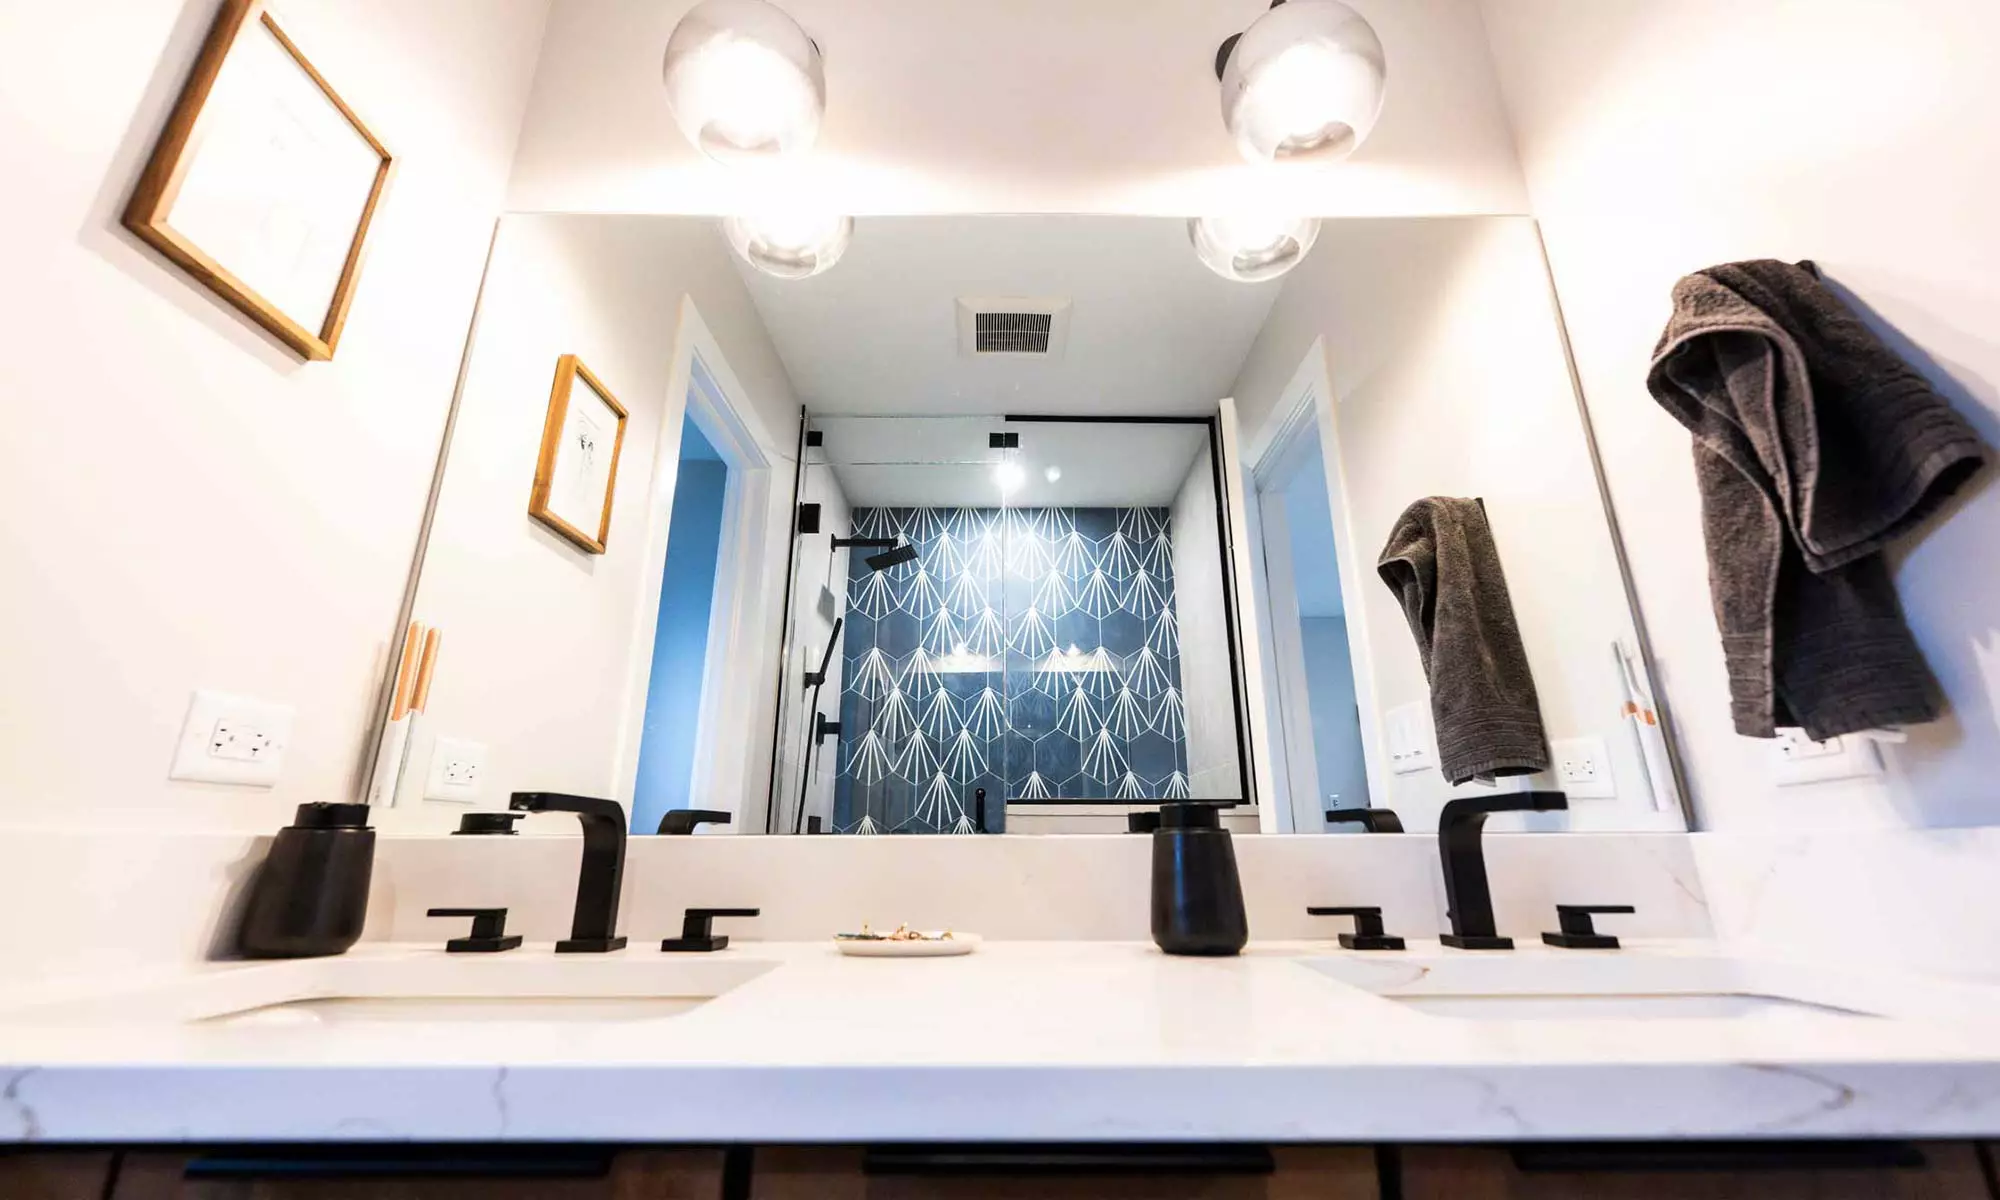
<point>1197,894</point>
<point>311,894</point>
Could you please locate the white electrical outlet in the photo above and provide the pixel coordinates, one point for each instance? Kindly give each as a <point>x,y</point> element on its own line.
<point>1798,759</point>
<point>232,739</point>
<point>1412,745</point>
<point>458,770</point>
<point>1583,768</point>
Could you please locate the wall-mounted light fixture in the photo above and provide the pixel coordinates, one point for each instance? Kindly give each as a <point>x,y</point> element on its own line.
<point>1251,249</point>
<point>744,82</point>
<point>1304,82</point>
<point>791,244</point>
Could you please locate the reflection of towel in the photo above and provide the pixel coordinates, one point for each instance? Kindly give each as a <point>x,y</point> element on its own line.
<point>1814,447</point>
<point>1442,564</point>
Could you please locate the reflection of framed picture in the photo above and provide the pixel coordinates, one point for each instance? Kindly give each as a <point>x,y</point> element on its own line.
<point>578,469</point>
<point>263,183</point>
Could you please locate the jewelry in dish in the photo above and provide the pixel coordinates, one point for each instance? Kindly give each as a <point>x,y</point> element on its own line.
<point>905,942</point>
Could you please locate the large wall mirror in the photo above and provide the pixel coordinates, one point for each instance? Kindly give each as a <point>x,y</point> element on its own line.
<point>1022,524</point>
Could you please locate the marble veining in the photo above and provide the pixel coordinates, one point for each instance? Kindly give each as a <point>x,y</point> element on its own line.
<point>1119,1042</point>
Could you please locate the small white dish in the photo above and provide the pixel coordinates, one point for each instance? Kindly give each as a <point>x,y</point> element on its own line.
<point>930,946</point>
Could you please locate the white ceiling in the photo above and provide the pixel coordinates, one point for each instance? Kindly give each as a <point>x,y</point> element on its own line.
<point>945,462</point>
<point>1053,106</point>
<point>1151,330</point>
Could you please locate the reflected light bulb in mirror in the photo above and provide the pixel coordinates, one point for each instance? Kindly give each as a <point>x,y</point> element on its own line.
<point>743,81</point>
<point>791,243</point>
<point>1251,248</point>
<point>1052,474</point>
<point>1009,476</point>
<point>1303,83</point>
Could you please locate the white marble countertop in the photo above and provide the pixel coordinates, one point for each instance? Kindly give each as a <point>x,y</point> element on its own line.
<point>1020,1041</point>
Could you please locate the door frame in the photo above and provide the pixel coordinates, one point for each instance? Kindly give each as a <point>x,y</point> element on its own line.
<point>1307,405</point>
<point>702,385</point>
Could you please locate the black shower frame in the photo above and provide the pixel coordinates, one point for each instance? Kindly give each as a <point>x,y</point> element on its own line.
<point>1225,536</point>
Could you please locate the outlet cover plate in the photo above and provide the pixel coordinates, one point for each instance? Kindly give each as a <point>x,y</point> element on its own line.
<point>457,771</point>
<point>1412,745</point>
<point>1583,768</point>
<point>232,739</point>
<point>1797,759</point>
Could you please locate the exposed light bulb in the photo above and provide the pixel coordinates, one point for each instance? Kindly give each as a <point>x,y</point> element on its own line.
<point>1052,474</point>
<point>1304,82</point>
<point>1009,476</point>
<point>1252,247</point>
<point>744,82</point>
<point>789,241</point>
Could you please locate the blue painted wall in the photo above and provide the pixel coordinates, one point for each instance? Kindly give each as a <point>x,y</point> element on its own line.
<point>680,641</point>
<point>958,672</point>
<point>1336,721</point>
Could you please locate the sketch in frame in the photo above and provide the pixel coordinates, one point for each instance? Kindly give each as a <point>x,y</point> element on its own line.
<point>264,183</point>
<point>577,472</point>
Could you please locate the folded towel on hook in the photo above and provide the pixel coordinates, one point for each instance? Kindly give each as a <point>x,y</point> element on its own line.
<point>1442,564</point>
<point>1815,446</point>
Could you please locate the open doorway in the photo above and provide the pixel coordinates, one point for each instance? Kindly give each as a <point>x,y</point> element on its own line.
<point>1321,726</point>
<point>1311,644</point>
<point>681,636</point>
<point>702,667</point>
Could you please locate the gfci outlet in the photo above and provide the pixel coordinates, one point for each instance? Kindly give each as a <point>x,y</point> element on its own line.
<point>232,739</point>
<point>1583,768</point>
<point>458,770</point>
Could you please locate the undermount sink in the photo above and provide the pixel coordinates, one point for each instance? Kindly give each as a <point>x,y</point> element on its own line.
<point>424,988</point>
<point>456,1010</point>
<point>1585,987</point>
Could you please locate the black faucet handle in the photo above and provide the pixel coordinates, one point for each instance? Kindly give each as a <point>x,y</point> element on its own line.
<point>1578,933</point>
<point>1371,820</point>
<point>698,930</point>
<point>685,820</point>
<point>489,930</point>
<point>1368,934</point>
<point>488,824</point>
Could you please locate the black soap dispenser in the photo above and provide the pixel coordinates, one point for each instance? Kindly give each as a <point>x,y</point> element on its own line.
<point>1197,894</point>
<point>311,895</point>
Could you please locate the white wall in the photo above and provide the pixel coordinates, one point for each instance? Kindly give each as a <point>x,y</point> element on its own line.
<point>1664,137</point>
<point>188,505</point>
<point>1449,379</point>
<point>1019,106</point>
<point>538,636</point>
<point>1207,686</point>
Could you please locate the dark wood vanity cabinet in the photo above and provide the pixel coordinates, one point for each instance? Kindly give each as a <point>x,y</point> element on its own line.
<point>1668,1171</point>
<point>54,1175</point>
<point>294,1174</point>
<point>1290,1173</point>
<point>1799,1171</point>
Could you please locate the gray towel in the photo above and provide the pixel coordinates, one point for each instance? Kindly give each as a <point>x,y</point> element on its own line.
<point>1814,446</point>
<point>1443,566</point>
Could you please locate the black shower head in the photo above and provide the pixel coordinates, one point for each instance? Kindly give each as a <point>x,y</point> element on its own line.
<point>891,558</point>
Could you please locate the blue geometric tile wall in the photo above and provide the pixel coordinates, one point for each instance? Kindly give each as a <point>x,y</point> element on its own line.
<point>1033,652</point>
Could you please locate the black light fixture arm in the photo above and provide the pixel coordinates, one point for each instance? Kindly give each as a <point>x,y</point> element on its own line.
<point>1229,44</point>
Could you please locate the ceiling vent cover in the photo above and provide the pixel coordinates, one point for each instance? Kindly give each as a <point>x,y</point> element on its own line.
<point>1012,326</point>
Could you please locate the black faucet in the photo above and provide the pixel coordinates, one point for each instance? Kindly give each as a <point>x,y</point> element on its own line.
<point>1468,901</point>
<point>594,928</point>
<point>1371,820</point>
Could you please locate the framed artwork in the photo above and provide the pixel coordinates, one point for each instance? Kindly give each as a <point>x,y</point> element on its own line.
<point>578,468</point>
<point>263,184</point>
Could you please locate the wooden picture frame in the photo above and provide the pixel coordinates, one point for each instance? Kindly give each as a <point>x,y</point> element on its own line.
<point>566,471</point>
<point>253,100</point>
